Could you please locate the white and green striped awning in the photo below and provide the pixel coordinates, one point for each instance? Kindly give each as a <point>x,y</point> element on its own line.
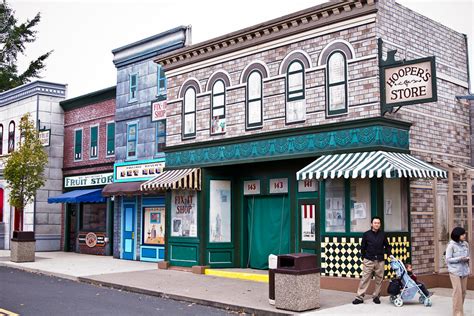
<point>369,164</point>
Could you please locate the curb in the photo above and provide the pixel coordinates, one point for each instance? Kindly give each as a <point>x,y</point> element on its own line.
<point>38,271</point>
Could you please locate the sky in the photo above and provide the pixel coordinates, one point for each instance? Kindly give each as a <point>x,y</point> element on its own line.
<point>82,33</point>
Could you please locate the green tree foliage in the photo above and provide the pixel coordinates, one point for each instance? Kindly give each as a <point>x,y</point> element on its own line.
<point>25,166</point>
<point>13,37</point>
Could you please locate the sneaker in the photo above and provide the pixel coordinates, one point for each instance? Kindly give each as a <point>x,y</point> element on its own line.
<point>357,301</point>
<point>376,300</point>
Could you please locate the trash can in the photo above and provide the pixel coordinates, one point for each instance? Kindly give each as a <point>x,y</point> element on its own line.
<point>272,265</point>
<point>23,246</point>
<point>297,282</point>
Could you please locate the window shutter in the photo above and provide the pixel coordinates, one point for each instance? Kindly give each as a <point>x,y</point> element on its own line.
<point>110,139</point>
<point>78,145</point>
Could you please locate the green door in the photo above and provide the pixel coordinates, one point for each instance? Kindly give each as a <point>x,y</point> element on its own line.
<point>268,228</point>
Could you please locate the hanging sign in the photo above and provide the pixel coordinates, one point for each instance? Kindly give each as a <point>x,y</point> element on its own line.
<point>158,110</point>
<point>252,187</point>
<point>308,222</point>
<point>45,137</point>
<point>408,82</point>
<point>309,185</point>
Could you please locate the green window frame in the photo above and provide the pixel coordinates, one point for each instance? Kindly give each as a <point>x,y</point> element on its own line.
<point>189,113</point>
<point>94,143</point>
<point>132,136</point>
<point>133,87</point>
<point>218,121</point>
<point>110,148</point>
<point>78,144</point>
<point>254,97</point>
<point>160,136</point>
<point>336,85</point>
<point>161,81</point>
<point>295,71</point>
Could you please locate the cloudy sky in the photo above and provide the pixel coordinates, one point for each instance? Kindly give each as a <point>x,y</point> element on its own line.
<point>82,33</point>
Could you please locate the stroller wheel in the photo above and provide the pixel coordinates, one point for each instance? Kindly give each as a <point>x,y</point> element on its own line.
<point>421,299</point>
<point>428,302</point>
<point>398,302</point>
<point>392,298</point>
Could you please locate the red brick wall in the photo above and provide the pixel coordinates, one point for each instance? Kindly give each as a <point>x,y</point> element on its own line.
<point>85,117</point>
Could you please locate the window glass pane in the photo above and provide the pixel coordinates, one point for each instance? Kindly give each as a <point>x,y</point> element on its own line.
<point>132,140</point>
<point>337,97</point>
<point>218,87</point>
<point>219,211</point>
<point>131,149</point>
<point>93,217</point>
<point>160,135</point>
<point>94,135</point>
<point>1,139</point>
<point>295,66</point>
<point>189,100</point>
<point>132,132</point>
<point>335,206</point>
<point>183,213</point>
<point>255,111</point>
<point>295,81</point>
<point>11,137</point>
<point>189,127</point>
<point>360,205</point>
<point>295,111</point>
<point>218,112</point>
<point>154,225</point>
<point>218,100</point>
<point>78,145</point>
<point>254,86</point>
<point>337,67</point>
<point>110,138</point>
<point>395,205</point>
<point>218,125</point>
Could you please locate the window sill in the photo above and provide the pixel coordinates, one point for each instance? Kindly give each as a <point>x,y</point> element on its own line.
<point>132,101</point>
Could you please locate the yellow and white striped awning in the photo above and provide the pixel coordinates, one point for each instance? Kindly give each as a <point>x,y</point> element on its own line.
<point>369,164</point>
<point>186,179</point>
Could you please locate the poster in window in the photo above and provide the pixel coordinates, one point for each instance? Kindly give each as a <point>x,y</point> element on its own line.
<point>308,222</point>
<point>184,213</point>
<point>220,211</point>
<point>154,225</point>
<point>360,210</point>
<point>388,207</point>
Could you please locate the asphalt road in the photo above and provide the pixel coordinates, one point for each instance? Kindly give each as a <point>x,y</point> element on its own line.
<point>27,293</point>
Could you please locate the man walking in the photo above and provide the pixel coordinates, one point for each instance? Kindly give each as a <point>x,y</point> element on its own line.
<point>374,245</point>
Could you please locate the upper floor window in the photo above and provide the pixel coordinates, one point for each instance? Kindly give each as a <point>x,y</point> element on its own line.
<point>94,145</point>
<point>218,122</point>
<point>132,131</point>
<point>295,81</point>
<point>161,81</point>
<point>133,87</point>
<point>110,148</point>
<point>78,144</point>
<point>160,135</point>
<point>189,113</point>
<point>11,137</point>
<point>1,139</point>
<point>254,111</point>
<point>336,77</point>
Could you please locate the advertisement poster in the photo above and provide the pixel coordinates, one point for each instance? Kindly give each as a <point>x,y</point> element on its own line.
<point>219,211</point>
<point>360,210</point>
<point>388,207</point>
<point>133,172</point>
<point>308,222</point>
<point>154,225</point>
<point>184,213</point>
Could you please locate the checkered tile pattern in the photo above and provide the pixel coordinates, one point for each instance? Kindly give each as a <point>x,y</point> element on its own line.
<point>340,256</point>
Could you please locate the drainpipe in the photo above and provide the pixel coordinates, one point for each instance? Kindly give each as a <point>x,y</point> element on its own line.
<point>38,128</point>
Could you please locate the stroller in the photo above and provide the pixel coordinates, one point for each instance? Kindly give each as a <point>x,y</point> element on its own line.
<point>407,286</point>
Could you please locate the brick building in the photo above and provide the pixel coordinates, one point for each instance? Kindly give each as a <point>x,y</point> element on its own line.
<point>252,110</point>
<point>41,100</point>
<point>89,156</point>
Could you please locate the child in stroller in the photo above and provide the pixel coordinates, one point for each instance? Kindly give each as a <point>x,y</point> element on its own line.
<point>404,287</point>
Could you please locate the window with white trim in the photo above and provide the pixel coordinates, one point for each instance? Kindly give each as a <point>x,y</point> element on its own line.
<point>218,121</point>
<point>189,113</point>
<point>254,111</point>
<point>133,87</point>
<point>94,142</point>
<point>295,93</point>
<point>336,74</point>
<point>132,136</point>
<point>78,144</point>
<point>161,81</point>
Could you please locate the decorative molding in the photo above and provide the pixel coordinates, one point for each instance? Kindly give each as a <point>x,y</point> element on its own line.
<point>300,145</point>
<point>32,89</point>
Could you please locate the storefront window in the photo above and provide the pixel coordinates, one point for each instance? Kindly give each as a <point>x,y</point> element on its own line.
<point>94,217</point>
<point>335,206</point>
<point>219,211</point>
<point>184,213</point>
<point>395,205</point>
<point>360,205</point>
<point>154,225</point>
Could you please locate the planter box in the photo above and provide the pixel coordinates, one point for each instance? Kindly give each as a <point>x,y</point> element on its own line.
<point>23,247</point>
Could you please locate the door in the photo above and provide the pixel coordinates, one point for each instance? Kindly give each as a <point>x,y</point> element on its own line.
<point>309,234</point>
<point>128,231</point>
<point>72,224</point>
<point>268,228</point>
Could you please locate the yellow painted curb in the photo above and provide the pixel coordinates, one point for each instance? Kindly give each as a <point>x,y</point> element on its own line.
<point>7,313</point>
<point>238,275</point>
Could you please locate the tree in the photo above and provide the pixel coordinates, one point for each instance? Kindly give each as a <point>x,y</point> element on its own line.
<point>13,37</point>
<point>25,166</point>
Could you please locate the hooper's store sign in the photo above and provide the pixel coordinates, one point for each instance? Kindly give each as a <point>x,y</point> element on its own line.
<point>408,82</point>
<point>89,180</point>
<point>138,171</point>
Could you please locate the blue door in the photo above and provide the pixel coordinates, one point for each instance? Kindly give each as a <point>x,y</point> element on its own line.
<point>128,229</point>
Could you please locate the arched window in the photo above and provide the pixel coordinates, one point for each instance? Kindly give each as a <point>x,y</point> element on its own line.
<point>336,77</point>
<point>1,139</point>
<point>295,86</point>
<point>218,122</point>
<point>189,113</point>
<point>254,111</point>
<point>11,137</point>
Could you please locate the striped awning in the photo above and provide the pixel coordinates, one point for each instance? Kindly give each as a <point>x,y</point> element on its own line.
<point>188,179</point>
<point>369,164</point>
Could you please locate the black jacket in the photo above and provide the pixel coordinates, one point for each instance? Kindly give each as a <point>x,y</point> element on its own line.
<point>374,245</point>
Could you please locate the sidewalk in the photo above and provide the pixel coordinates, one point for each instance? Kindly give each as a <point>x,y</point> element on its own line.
<point>233,294</point>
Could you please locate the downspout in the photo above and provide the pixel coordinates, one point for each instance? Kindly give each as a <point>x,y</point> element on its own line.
<point>38,128</point>
<point>470,101</point>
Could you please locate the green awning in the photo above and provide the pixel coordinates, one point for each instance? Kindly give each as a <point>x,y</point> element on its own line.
<point>374,164</point>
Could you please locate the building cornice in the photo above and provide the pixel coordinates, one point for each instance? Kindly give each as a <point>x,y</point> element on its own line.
<point>31,89</point>
<point>321,15</point>
<point>89,98</point>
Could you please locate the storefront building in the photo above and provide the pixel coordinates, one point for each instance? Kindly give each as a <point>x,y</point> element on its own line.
<point>41,100</point>
<point>139,228</point>
<point>89,156</point>
<point>299,131</point>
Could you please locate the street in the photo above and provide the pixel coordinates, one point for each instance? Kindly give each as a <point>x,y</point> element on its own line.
<point>27,293</point>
